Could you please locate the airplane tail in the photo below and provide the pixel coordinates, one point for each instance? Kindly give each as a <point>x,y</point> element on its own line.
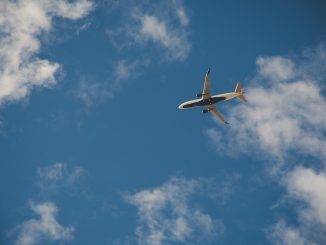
<point>241,91</point>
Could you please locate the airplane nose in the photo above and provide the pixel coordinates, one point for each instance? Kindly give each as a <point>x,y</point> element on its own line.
<point>180,106</point>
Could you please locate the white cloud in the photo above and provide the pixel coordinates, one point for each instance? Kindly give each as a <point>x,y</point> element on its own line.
<point>22,23</point>
<point>276,68</point>
<point>166,215</point>
<point>151,27</point>
<point>46,227</point>
<point>162,23</point>
<point>174,41</point>
<point>308,186</point>
<point>282,234</point>
<point>183,17</point>
<point>178,7</point>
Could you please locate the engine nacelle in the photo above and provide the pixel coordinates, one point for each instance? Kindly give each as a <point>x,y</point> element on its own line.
<point>199,95</point>
<point>205,111</point>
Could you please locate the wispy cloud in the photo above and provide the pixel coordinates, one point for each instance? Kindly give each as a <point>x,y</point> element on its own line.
<point>60,172</point>
<point>45,227</point>
<point>164,24</point>
<point>181,12</point>
<point>284,122</point>
<point>126,69</point>
<point>59,176</point>
<point>22,23</point>
<point>166,214</point>
<point>92,92</point>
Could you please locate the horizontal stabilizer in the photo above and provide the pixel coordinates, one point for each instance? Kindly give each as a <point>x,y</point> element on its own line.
<point>239,89</point>
<point>242,98</point>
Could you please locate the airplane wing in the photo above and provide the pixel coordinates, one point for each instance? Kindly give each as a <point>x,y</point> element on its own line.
<point>207,88</point>
<point>213,110</point>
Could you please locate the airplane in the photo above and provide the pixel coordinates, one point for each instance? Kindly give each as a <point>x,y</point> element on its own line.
<point>205,99</point>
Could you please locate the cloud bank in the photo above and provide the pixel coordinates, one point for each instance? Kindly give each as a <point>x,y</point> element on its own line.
<point>282,115</point>
<point>284,123</point>
<point>22,23</point>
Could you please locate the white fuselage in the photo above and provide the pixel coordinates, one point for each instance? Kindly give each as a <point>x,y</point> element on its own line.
<point>209,101</point>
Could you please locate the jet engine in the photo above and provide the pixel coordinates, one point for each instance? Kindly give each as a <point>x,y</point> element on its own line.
<point>205,110</point>
<point>199,95</point>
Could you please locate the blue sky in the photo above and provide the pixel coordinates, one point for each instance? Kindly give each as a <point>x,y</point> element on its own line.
<point>93,149</point>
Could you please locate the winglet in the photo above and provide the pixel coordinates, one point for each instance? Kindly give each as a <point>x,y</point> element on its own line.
<point>209,70</point>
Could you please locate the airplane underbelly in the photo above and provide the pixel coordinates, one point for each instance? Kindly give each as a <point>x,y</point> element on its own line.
<point>211,101</point>
<point>205,102</point>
